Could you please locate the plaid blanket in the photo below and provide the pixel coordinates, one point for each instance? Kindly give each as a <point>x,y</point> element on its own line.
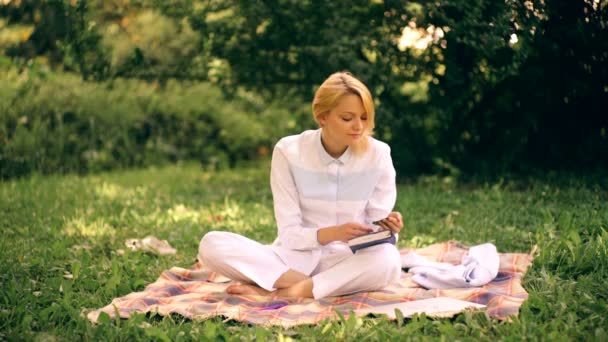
<point>198,293</point>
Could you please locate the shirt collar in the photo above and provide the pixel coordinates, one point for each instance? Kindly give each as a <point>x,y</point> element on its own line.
<point>325,157</point>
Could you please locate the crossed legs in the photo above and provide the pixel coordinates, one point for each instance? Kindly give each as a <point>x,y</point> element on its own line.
<point>260,271</point>
<point>290,284</point>
<point>255,266</point>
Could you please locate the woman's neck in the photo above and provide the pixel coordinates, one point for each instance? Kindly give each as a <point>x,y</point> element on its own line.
<point>330,147</point>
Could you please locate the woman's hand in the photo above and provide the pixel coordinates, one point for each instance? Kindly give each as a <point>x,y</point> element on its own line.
<point>394,222</point>
<point>343,232</point>
<point>351,230</point>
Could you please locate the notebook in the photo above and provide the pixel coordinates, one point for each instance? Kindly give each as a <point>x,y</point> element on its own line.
<point>371,239</point>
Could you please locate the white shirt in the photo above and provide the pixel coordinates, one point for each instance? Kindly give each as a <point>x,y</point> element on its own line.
<point>312,190</point>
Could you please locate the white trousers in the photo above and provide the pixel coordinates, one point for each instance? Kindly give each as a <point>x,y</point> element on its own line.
<point>338,273</point>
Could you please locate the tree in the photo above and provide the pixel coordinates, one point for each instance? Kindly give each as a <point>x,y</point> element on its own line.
<point>524,85</point>
<point>460,85</point>
<point>497,98</point>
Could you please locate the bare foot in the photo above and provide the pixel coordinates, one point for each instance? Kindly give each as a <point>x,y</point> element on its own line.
<point>245,289</point>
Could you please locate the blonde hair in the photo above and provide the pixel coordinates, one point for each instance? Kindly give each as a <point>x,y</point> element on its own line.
<point>333,89</point>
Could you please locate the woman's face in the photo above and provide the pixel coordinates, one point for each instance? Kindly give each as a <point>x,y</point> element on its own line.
<point>346,123</point>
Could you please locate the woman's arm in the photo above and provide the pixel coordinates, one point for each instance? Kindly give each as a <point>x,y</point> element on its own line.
<point>343,232</point>
<point>287,210</point>
<point>384,195</point>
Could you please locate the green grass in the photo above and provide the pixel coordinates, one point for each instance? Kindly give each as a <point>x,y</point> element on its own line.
<point>61,234</point>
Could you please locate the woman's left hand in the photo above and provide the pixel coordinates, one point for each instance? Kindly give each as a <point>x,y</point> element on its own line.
<point>394,222</point>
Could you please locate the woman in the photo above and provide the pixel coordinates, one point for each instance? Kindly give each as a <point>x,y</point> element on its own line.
<point>328,186</point>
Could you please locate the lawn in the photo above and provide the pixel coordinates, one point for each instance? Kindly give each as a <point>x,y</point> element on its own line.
<point>62,251</point>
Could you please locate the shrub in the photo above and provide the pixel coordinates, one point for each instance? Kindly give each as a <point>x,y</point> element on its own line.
<point>58,123</point>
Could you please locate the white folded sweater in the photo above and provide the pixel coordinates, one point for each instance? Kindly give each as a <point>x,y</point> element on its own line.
<point>477,268</point>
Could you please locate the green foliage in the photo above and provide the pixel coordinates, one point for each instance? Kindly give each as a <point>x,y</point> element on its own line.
<point>292,46</point>
<point>48,282</point>
<point>58,123</point>
<point>461,87</point>
<point>49,25</point>
<point>535,101</point>
<point>81,49</point>
<point>160,44</point>
<point>469,99</point>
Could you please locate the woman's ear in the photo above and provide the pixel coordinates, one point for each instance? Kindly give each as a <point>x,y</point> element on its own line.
<point>322,118</point>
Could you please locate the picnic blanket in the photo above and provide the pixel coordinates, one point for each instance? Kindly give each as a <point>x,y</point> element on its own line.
<point>198,293</point>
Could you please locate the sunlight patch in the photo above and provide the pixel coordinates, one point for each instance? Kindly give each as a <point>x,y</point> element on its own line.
<point>418,37</point>
<point>112,191</point>
<point>232,217</point>
<point>180,212</point>
<point>79,226</point>
<point>419,241</point>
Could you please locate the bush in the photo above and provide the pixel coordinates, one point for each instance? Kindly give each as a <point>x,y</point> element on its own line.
<point>59,123</point>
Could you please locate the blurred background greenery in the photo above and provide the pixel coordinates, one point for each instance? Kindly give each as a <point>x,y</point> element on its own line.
<point>462,87</point>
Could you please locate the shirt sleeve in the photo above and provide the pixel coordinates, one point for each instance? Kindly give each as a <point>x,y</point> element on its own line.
<point>287,209</point>
<point>384,195</point>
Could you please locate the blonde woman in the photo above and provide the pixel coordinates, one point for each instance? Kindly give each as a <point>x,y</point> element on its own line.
<point>328,186</point>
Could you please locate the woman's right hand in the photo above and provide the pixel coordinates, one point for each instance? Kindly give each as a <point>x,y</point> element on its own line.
<point>343,232</point>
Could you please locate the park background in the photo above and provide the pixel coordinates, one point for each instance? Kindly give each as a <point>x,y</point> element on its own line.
<point>120,118</point>
<point>461,87</point>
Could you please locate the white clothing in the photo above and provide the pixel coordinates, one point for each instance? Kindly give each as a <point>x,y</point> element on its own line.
<point>339,272</point>
<point>478,268</point>
<point>312,190</point>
